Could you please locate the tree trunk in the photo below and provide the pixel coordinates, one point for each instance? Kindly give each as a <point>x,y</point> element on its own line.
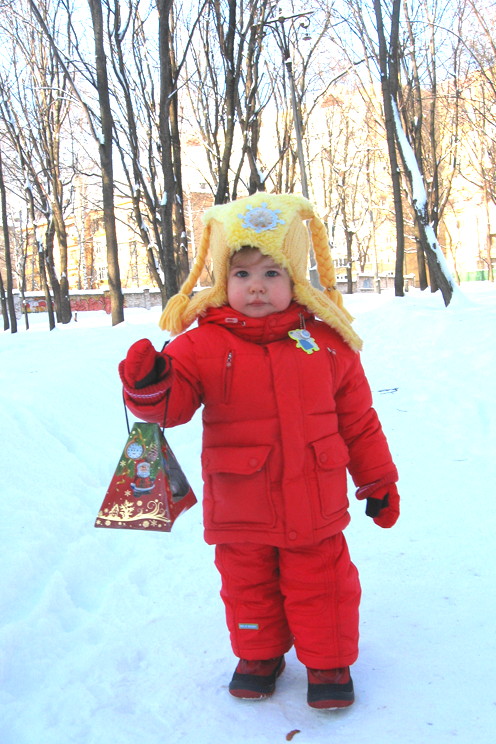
<point>252,114</point>
<point>349,261</point>
<point>170,186</point>
<point>3,304</point>
<point>389,81</point>
<point>46,288</point>
<point>227,47</point>
<point>22,290</point>
<point>8,262</point>
<point>106,162</point>
<point>22,278</point>
<point>178,223</point>
<point>49,265</point>
<point>142,183</point>
<point>61,232</point>
<point>438,267</point>
<point>421,268</point>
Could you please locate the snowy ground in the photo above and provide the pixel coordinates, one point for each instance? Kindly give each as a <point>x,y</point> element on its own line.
<point>117,637</point>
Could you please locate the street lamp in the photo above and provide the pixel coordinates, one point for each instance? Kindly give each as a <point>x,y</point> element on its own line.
<point>278,26</point>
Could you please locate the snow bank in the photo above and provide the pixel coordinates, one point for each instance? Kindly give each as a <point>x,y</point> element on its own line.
<point>114,637</point>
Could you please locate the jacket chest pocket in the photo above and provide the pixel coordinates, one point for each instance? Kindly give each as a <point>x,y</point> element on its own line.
<point>331,457</point>
<point>237,486</point>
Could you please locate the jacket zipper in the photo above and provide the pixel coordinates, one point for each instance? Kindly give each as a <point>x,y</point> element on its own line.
<point>332,358</point>
<point>228,376</point>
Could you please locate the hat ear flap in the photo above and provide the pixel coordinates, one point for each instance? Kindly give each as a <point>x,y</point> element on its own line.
<point>172,318</point>
<point>325,264</point>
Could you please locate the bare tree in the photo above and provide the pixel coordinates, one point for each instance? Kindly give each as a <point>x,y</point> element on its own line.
<point>252,98</point>
<point>34,109</point>
<point>7,293</point>
<point>3,305</point>
<point>412,162</point>
<point>227,94</point>
<point>32,188</point>
<point>478,99</point>
<point>428,110</point>
<point>387,49</point>
<point>137,133</point>
<point>388,64</point>
<point>148,130</point>
<point>105,148</point>
<point>347,149</point>
<point>100,127</point>
<point>167,151</point>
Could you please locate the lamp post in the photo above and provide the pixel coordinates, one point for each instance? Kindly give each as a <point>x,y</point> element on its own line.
<point>278,27</point>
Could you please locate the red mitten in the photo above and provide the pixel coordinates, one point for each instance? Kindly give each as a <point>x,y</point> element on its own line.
<point>383,502</point>
<point>142,368</point>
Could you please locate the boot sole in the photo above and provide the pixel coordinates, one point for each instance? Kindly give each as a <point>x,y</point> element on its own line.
<point>331,704</point>
<point>330,696</point>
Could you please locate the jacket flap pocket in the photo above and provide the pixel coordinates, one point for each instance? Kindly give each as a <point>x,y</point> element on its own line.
<point>237,460</point>
<point>331,452</point>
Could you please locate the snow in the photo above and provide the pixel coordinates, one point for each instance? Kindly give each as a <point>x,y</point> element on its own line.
<point>118,637</point>
<point>419,195</point>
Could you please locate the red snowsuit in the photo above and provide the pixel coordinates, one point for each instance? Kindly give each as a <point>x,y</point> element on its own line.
<point>280,429</point>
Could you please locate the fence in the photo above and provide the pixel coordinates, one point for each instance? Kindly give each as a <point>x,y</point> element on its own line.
<point>85,300</point>
<point>88,300</point>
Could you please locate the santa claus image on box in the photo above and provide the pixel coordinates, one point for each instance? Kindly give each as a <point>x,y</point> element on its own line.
<point>143,483</point>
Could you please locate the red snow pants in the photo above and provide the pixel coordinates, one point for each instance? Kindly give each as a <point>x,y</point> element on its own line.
<point>277,597</point>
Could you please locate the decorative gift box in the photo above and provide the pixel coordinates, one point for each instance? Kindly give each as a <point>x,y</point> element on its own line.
<point>149,489</point>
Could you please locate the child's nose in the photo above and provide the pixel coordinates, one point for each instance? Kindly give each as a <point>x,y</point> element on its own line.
<point>257,285</point>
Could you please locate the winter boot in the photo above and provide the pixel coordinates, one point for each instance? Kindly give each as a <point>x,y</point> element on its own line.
<point>254,680</point>
<point>330,688</point>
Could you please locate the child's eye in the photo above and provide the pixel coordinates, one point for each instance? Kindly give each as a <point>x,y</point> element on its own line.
<point>241,273</point>
<point>273,272</point>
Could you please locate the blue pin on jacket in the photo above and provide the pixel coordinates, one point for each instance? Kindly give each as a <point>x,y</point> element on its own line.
<point>304,340</point>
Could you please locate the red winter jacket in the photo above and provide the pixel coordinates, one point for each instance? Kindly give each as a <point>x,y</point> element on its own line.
<point>280,426</point>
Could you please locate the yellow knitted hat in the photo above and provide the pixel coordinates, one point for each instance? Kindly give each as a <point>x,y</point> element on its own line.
<point>273,223</point>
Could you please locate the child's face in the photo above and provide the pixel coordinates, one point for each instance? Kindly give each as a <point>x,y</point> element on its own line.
<point>256,285</point>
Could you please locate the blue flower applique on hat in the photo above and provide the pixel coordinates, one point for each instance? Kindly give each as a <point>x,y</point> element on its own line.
<point>262,218</point>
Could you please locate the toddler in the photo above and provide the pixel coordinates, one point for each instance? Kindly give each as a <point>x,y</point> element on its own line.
<point>287,411</point>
